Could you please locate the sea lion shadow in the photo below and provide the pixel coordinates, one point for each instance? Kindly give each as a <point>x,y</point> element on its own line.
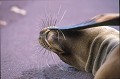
<point>54,72</point>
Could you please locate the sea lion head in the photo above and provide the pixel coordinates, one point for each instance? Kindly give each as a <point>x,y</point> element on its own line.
<point>51,40</point>
<point>65,43</point>
<point>73,44</point>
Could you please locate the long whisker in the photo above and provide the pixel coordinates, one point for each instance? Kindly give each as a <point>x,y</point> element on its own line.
<point>62,34</point>
<point>47,18</point>
<point>51,21</point>
<point>38,49</point>
<point>47,60</point>
<point>59,10</point>
<point>62,16</point>
<point>56,17</point>
<point>55,61</point>
<point>43,23</point>
<point>41,49</point>
<point>54,23</point>
<point>57,14</point>
<point>44,52</point>
<point>39,54</point>
<point>47,21</point>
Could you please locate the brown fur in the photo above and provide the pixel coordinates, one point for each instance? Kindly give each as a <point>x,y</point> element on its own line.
<point>80,49</point>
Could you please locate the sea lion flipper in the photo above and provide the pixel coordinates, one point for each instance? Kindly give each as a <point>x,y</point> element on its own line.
<point>99,20</point>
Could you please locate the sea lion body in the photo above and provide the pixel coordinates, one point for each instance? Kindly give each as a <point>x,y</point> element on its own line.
<point>90,50</point>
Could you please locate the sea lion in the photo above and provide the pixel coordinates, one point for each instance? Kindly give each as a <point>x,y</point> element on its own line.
<point>87,47</point>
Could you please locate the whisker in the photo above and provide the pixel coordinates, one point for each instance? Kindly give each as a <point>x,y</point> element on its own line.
<point>46,18</point>
<point>41,49</point>
<point>38,51</point>
<point>44,52</point>
<point>48,21</point>
<point>62,34</point>
<point>40,26</point>
<point>43,23</point>
<point>55,21</point>
<point>47,60</point>
<point>51,21</point>
<point>55,62</point>
<point>37,48</point>
<point>62,16</point>
<point>59,10</point>
<point>57,15</point>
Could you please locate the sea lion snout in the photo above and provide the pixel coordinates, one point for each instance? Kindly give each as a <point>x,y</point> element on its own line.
<point>51,40</point>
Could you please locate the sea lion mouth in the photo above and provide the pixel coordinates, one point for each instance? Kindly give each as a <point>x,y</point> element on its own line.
<point>51,40</point>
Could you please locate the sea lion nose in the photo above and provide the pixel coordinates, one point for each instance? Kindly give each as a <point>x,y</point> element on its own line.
<point>44,31</point>
<point>42,34</point>
<point>48,34</point>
